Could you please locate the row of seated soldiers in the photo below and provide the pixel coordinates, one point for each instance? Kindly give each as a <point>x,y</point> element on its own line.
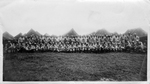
<point>97,44</point>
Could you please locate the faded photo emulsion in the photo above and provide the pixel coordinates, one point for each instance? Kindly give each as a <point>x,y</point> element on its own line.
<point>76,40</point>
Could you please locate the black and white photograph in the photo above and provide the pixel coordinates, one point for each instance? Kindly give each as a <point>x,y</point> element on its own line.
<point>74,40</point>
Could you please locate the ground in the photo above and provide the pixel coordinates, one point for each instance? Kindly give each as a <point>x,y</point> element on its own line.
<point>72,66</point>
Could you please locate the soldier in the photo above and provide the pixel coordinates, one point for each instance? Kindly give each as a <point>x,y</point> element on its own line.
<point>141,47</point>
<point>128,47</point>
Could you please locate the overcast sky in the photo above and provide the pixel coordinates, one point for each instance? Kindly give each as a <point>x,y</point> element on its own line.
<point>85,16</point>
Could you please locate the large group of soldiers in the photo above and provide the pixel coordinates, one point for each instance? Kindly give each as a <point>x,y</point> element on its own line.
<point>87,43</point>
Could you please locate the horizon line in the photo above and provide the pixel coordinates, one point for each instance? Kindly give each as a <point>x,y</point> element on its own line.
<point>74,30</point>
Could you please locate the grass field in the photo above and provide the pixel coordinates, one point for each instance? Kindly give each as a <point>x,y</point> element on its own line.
<point>72,66</point>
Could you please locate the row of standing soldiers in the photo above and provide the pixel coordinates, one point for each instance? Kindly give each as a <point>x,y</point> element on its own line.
<point>96,44</point>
